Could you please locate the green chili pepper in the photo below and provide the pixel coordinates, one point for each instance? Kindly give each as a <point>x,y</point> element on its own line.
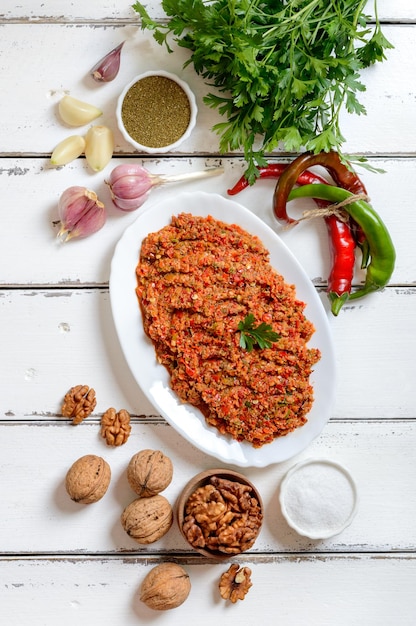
<point>382,251</point>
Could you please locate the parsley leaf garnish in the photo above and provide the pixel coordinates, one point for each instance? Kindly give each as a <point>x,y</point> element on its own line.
<point>279,71</point>
<point>263,335</point>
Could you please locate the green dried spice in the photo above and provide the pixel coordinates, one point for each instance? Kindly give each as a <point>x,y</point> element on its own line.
<point>156,111</point>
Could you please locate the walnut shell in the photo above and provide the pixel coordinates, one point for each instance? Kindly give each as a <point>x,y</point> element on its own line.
<point>87,480</point>
<point>165,587</point>
<point>147,519</point>
<point>149,472</point>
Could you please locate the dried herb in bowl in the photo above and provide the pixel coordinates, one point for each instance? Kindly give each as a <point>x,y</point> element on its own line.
<point>156,111</point>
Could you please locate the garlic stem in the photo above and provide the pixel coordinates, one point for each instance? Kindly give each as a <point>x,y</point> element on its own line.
<point>175,178</point>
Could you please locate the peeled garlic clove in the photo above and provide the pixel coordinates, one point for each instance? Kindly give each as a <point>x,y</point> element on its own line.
<point>68,150</point>
<point>76,112</point>
<point>99,147</point>
<point>107,68</point>
<point>81,213</point>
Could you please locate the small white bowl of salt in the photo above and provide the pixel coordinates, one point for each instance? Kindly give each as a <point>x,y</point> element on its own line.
<point>318,498</point>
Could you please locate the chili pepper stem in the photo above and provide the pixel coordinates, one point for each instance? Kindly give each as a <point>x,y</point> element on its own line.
<point>337,302</point>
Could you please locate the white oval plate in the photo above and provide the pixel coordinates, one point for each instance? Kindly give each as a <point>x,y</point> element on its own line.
<point>153,378</point>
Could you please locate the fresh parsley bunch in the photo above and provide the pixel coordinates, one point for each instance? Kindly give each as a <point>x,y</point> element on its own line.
<point>282,69</point>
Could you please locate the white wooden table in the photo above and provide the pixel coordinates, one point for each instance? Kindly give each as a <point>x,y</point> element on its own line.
<point>68,564</point>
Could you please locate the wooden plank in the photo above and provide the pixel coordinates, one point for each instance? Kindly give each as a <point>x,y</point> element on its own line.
<point>30,190</point>
<point>35,128</point>
<point>35,457</point>
<point>50,347</point>
<point>370,590</point>
<point>111,10</point>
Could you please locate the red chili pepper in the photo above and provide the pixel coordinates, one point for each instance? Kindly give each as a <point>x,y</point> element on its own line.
<point>331,161</point>
<point>275,170</point>
<point>341,234</point>
<point>271,170</point>
<point>342,247</point>
<point>342,176</point>
<point>342,250</point>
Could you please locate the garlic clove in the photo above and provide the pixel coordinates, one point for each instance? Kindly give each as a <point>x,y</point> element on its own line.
<point>129,169</point>
<point>81,213</point>
<point>130,204</point>
<point>99,147</point>
<point>68,150</point>
<point>108,67</point>
<point>129,187</point>
<point>76,112</point>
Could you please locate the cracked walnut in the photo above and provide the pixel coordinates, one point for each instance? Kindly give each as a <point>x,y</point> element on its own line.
<point>235,583</point>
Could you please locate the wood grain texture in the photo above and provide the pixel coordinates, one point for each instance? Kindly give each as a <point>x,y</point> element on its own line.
<point>72,564</point>
<point>59,338</point>
<point>34,127</point>
<point>384,522</point>
<point>31,190</point>
<point>299,589</point>
<point>113,10</point>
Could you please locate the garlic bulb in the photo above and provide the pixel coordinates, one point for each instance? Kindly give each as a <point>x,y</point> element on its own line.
<point>76,112</point>
<point>68,150</point>
<point>80,212</point>
<point>131,184</point>
<point>99,147</point>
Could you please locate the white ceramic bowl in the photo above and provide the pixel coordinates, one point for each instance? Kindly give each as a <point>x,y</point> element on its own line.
<point>318,498</point>
<point>164,148</point>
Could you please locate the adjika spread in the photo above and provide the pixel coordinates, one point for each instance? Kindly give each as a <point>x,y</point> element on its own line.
<point>197,279</point>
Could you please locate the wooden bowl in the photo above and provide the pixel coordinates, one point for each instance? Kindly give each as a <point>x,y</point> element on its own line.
<point>201,480</point>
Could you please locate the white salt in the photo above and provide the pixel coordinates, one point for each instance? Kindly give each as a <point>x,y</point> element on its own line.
<point>319,498</point>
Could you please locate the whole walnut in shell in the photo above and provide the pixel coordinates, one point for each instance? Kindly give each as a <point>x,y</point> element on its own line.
<point>87,480</point>
<point>147,519</point>
<point>165,587</point>
<point>149,472</point>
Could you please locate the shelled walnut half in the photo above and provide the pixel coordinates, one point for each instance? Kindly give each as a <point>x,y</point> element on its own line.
<point>115,427</point>
<point>235,583</point>
<point>79,402</point>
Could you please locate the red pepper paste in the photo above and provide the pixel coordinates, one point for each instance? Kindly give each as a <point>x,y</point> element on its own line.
<point>197,278</point>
